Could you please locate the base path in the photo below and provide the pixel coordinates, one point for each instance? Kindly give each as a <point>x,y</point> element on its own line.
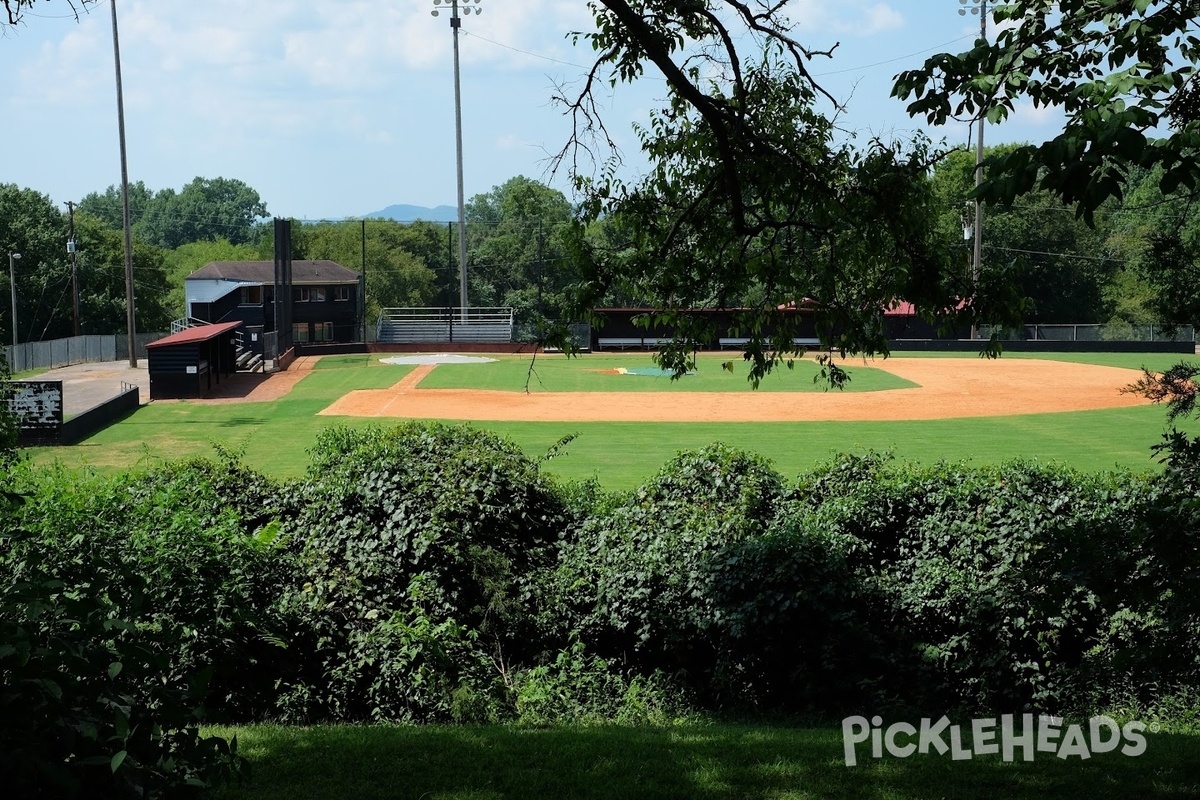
<point>947,387</point>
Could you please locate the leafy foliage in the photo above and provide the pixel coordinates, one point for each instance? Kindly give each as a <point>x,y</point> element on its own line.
<point>519,255</point>
<point>582,689</point>
<point>1118,69</point>
<point>199,535</point>
<point>638,580</point>
<point>102,281</point>
<point>404,263</point>
<point>416,550</point>
<point>754,202</point>
<point>1055,263</point>
<point>430,573</point>
<point>122,614</point>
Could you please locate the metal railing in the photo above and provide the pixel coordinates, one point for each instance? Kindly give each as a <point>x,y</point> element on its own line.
<point>183,323</point>
<point>413,325</point>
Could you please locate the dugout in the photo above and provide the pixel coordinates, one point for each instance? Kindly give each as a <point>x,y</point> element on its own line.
<point>192,362</point>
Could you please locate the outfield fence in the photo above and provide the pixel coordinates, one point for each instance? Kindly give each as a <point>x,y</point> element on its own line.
<point>1096,333</point>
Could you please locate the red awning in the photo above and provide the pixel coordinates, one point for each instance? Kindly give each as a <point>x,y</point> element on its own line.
<point>200,333</point>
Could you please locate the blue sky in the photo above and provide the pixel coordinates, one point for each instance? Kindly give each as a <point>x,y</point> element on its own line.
<point>337,109</point>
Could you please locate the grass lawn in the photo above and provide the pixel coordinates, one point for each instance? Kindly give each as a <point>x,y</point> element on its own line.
<point>275,436</point>
<point>1158,362</point>
<point>597,373</point>
<point>692,762</point>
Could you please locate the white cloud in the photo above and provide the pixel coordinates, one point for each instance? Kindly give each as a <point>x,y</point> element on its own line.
<point>1026,114</point>
<point>882,17</point>
<point>850,18</point>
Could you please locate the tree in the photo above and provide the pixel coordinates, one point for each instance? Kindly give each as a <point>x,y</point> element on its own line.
<point>397,271</point>
<point>102,280</point>
<point>107,206</point>
<point>1159,239</point>
<point>31,225</point>
<point>14,9</point>
<point>518,249</point>
<point>216,208</point>
<point>1118,69</point>
<point>1055,262</point>
<point>753,194</point>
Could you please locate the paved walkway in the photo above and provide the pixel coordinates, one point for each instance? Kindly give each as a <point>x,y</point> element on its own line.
<point>88,385</point>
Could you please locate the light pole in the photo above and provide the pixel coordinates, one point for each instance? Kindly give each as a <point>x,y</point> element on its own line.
<point>977,7</point>
<point>455,23</point>
<point>12,285</point>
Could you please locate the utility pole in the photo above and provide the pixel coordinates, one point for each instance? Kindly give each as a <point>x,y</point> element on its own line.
<point>977,7</point>
<point>12,285</point>
<point>129,314</point>
<point>74,267</point>
<point>362,294</point>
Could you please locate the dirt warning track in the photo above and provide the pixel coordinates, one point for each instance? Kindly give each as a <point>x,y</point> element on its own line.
<point>947,388</point>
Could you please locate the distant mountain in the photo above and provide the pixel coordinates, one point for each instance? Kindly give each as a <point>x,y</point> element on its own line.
<point>406,213</point>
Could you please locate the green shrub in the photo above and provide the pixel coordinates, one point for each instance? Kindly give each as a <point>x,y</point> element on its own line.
<point>1016,587</point>
<point>637,582</point>
<point>198,534</point>
<point>582,689</point>
<point>418,546</point>
<point>90,706</point>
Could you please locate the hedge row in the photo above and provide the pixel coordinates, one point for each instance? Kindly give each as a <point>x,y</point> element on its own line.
<point>431,572</point>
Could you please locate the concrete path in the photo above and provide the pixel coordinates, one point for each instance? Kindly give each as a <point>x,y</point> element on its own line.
<point>88,385</point>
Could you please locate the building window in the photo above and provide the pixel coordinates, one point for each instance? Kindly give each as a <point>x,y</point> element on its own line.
<point>309,294</point>
<point>341,293</point>
<point>252,295</point>
<point>300,332</point>
<point>322,331</point>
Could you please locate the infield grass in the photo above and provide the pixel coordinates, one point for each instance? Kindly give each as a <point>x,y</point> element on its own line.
<point>695,761</point>
<point>274,436</point>
<point>599,373</point>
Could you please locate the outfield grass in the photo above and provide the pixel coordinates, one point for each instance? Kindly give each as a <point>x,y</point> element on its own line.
<point>275,436</point>
<point>1157,362</point>
<point>598,373</point>
<point>697,762</point>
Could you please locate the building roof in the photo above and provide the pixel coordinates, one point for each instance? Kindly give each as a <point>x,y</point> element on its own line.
<point>199,333</point>
<point>303,272</point>
<point>903,308</point>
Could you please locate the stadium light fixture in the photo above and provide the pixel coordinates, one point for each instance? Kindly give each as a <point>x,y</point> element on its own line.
<point>979,7</point>
<point>454,7</point>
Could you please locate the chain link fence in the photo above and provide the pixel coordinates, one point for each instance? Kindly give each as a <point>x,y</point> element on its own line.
<point>74,350</point>
<point>1095,333</point>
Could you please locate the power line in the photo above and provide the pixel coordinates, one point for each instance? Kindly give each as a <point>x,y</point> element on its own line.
<point>523,52</point>
<point>1056,255</point>
<point>935,48</point>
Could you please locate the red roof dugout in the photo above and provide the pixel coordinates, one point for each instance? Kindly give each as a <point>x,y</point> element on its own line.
<point>190,363</point>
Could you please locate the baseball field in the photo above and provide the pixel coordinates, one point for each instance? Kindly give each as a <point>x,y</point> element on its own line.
<point>627,418</point>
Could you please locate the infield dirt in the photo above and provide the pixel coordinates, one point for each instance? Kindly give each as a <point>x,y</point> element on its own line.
<point>947,388</point>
